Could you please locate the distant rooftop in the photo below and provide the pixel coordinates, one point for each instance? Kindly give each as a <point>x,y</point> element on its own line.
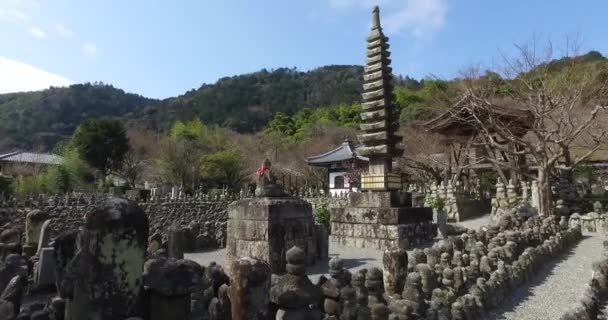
<point>344,152</point>
<point>30,157</point>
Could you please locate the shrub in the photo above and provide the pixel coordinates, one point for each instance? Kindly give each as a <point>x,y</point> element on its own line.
<point>26,186</point>
<point>322,217</point>
<point>6,186</point>
<point>436,203</point>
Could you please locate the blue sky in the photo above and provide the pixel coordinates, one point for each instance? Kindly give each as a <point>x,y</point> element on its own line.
<point>164,48</point>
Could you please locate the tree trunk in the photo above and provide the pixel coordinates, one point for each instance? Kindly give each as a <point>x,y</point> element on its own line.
<point>544,193</point>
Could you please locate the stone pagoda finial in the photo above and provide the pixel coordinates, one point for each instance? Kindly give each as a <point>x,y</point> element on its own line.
<point>379,121</point>
<point>376,18</point>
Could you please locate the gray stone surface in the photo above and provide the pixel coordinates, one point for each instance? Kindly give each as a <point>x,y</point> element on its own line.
<point>45,273</point>
<point>44,236</point>
<point>106,272</point>
<point>265,228</point>
<point>33,224</point>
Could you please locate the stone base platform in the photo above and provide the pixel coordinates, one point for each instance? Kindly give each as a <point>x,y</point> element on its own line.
<point>265,228</point>
<point>381,220</point>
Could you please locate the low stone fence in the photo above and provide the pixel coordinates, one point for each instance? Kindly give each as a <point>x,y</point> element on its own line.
<point>595,293</point>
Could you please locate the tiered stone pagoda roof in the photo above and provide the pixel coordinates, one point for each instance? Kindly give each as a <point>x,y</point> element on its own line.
<point>379,121</point>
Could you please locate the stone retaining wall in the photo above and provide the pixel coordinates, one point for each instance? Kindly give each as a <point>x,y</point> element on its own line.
<point>207,219</point>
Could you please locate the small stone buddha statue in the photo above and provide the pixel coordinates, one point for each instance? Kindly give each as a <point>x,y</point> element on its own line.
<point>267,183</point>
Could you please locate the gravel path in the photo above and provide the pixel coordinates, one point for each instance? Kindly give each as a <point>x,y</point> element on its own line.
<point>556,288</point>
<point>476,223</point>
<point>354,259</point>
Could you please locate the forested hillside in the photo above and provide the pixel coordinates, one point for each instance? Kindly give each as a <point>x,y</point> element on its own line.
<point>244,103</point>
<point>40,119</point>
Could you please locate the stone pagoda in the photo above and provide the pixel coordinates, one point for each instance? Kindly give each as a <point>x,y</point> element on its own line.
<point>379,121</point>
<point>380,217</point>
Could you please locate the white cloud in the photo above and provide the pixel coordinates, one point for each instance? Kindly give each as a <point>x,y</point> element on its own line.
<point>417,18</point>
<point>18,76</point>
<point>63,31</point>
<point>89,49</point>
<point>13,16</point>
<point>37,32</point>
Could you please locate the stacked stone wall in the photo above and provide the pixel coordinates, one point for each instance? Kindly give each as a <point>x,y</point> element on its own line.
<point>206,218</point>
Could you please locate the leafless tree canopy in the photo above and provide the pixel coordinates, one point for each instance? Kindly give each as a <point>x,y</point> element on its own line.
<point>553,107</point>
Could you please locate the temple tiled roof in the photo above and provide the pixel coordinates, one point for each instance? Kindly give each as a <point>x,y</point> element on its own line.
<point>458,120</point>
<point>344,152</point>
<point>30,157</point>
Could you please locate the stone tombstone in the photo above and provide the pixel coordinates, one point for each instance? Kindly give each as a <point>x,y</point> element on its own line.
<point>395,264</point>
<point>374,282</point>
<point>249,288</point>
<point>33,224</point>
<point>293,293</point>
<point>155,243</point>
<point>64,250</point>
<point>10,236</point>
<point>177,242</point>
<point>322,242</point>
<point>535,196</point>
<point>45,236</point>
<point>442,222</point>
<point>339,278</point>
<point>107,268</point>
<point>169,283</point>
<point>45,268</point>
<point>598,208</point>
<point>57,308</point>
<point>14,292</point>
<point>219,307</point>
<point>12,266</point>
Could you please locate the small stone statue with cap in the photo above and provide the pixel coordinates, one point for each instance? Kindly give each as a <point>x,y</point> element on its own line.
<point>267,182</point>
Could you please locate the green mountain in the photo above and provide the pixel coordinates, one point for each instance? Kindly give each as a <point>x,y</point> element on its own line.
<point>39,119</point>
<point>246,103</point>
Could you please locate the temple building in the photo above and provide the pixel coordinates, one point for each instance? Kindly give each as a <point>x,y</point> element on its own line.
<point>342,164</point>
<point>24,163</point>
<point>455,126</point>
